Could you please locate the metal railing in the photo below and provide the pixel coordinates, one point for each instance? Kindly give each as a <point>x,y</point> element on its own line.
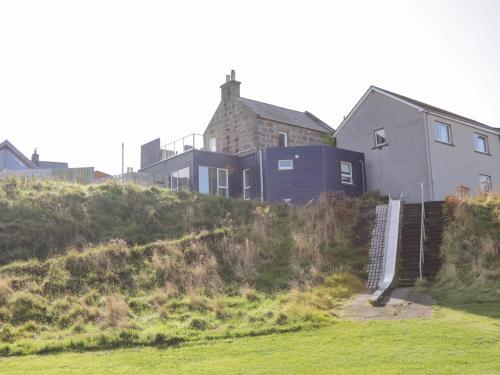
<point>140,178</point>
<point>181,145</point>
<point>422,233</point>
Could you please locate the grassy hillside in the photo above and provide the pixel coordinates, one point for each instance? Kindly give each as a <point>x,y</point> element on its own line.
<point>44,218</point>
<point>453,342</point>
<point>471,251</point>
<point>186,267</point>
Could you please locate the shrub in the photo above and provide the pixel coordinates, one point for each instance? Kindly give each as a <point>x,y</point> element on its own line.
<point>7,333</point>
<point>56,281</point>
<point>250,294</point>
<point>198,324</point>
<point>27,306</point>
<point>281,319</point>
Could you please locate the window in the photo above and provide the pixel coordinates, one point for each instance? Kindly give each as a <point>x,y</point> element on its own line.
<point>346,172</point>
<point>222,182</point>
<point>282,139</point>
<point>379,136</point>
<point>247,175</point>
<point>443,132</point>
<point>213,181</point>
<point>481,143</point>
<point>284,165</point>
<point>485,184</point>
<point>179,180</point>
<point>212,144</point>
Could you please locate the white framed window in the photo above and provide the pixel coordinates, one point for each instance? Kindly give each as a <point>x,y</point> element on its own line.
<point>212,180</point>
<point>212,144</point>
<point>481,143</point>
<point>485,184</point>
<point>284,165</point>
<point>379,137</point>
<point>282,139</point>
<point>180,180</point>
<point>443,132</point>
<point>247,176</point>
<point>222,182</point>
<point>346,172</point>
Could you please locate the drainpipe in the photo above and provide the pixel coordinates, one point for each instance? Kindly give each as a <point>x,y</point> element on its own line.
<point>363,175</point>
<point>261,177</point>
<point>429,158</point>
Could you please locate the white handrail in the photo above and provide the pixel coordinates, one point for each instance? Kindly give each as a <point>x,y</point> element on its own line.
<point>422,233</point>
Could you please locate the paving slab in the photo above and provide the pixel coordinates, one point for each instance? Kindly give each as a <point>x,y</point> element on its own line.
<point>403,303</point>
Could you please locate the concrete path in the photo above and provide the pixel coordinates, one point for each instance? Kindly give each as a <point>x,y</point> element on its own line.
<point>403,303</point>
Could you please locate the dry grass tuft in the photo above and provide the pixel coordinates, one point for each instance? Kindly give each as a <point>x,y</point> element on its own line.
<point>5,290</point>
<point>117,311</point>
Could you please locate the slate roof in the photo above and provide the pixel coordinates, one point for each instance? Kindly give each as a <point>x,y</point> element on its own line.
<point>52,164</point>
<point>287,116</point>
<point>436,109</point>
<point>19,154</point>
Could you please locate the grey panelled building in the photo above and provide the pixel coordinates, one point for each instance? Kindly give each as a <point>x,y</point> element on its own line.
<point>407,142</point>
<point>255,150</point>
<point>13,160</point>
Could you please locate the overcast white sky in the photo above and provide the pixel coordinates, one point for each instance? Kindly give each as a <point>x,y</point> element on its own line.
<point>79,77</point>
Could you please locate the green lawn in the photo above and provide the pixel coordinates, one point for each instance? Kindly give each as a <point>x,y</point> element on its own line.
<point>455,341</point>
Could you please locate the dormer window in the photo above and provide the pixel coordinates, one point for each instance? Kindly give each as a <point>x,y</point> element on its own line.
<point>379,137</point>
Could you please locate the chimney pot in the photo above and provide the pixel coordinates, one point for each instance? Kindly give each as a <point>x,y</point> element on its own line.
<point>233,75</point>
<point>227,78</point>
<point>35,158</point>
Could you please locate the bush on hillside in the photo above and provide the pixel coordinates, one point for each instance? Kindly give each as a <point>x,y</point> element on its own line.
<point>471,250</point>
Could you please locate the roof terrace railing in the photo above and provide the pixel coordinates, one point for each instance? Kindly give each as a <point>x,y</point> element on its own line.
<point>181,145</point>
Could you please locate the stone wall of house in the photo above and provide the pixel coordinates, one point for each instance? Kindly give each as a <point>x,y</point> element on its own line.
<point>233,125</point>
<point>267,134</point>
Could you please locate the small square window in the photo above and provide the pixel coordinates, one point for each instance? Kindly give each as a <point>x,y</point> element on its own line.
<point>481,143</point>
<point>282,139</point>
<point>379,136</point>
<point>485,184</point>
<point>443,132</point>
<point>284,165</point>
<point>346,172</point>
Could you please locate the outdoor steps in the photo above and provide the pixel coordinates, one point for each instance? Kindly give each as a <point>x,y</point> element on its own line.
<point>408,260</point>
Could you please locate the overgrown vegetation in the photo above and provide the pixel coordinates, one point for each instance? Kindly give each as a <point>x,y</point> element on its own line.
<point>471,251</point>
<point>43,218</point>
<point>187,267</point>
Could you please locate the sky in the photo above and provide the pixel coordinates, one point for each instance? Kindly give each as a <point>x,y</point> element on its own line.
<point>78,78</point>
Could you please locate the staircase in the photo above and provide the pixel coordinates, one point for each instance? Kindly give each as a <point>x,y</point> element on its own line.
<point>408,262</point>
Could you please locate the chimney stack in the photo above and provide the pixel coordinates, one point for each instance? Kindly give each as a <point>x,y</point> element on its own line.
<point>230,90</point>
<point>35,158</point>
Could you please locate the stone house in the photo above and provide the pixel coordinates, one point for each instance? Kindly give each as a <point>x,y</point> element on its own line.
<point>254,150</point>
<point>241,124</point>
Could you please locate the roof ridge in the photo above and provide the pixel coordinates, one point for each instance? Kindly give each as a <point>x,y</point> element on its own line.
<point>274,105</point>
<point>292,117</point>
<point>434,108</point>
